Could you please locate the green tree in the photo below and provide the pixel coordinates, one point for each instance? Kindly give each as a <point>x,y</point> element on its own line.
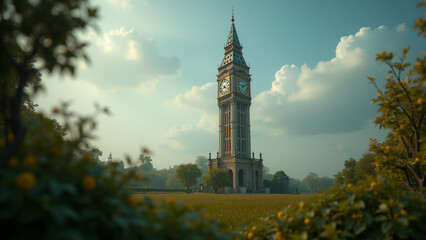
<point>338,178</point>
<point>44,29</point>
<point>266,173</point>
<point>201,162</point>
<point>402,111</point>
<point>172,180</point>
<point>311,182</point>
<point>365,166</point>
<point>347,175</point>
<point>295,185</point>
<point>349,171</point>
<point>217,178</point>
<point>280,182</point>
<point>187,174</point>
<point>145,162</point>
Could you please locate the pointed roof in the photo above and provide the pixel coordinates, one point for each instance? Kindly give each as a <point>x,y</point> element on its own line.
<point>233,36</point>
<point>233,48</point>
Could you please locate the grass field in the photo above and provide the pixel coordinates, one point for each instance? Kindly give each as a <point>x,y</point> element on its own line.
<point>231,210</point>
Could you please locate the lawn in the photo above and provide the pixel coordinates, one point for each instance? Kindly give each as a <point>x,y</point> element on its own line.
<point>231,210</point>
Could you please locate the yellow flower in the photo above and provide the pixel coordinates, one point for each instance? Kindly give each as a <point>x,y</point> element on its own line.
<point>170,202</point>
<point>10,137</point>
<point>280,214</point>
<point>13,162</point>
<point>350,185</point>
<point>387,148</point>
<point>377,164</point>
<point>132,200</point>
<point>56,151</point>
<point>382,147</point>
<point>89,183</point>
<point>420,101</point>
<point>302,204</point>
<point>373,184</point>
<point>416,159</point>
<point>30,161</point>
<point>307,221</point>
<point>279,235</point>
<point>250,235</point>
<point>403,212</point>
<point>253,228</point>
<point>25,180</point>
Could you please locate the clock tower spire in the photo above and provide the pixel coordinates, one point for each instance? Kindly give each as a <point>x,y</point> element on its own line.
<point>234,101</point>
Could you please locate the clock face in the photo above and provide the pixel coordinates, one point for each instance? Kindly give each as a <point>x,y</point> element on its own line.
<point>243,86</point>
<point>224,86</point>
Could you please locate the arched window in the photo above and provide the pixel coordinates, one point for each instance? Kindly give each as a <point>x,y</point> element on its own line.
<point>231,177</point>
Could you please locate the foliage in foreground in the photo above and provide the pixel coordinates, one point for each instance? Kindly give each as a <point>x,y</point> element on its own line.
<point>46,192</point>
<point>367,211</point>
<point>402,111</point>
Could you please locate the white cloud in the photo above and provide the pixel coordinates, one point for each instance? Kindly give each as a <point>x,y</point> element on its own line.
<point>200,135</point>
<point>332,97</point>
<point>125,4</point>
<point>200,99</point>
<point>124,59</point>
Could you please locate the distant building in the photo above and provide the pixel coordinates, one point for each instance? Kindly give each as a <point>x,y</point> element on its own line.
<point>234,100</point>
<point>110,158</point>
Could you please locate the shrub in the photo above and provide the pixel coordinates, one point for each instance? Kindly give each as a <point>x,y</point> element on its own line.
<point>48,193</point>
<point>376,209</point>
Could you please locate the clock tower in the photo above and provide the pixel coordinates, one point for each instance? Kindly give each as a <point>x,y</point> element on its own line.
<point>234,100</point>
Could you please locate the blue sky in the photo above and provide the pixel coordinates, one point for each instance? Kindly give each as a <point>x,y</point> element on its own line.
<point>154,63</point>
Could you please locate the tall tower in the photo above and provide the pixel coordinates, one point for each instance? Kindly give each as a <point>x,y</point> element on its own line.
<point>234,100</point>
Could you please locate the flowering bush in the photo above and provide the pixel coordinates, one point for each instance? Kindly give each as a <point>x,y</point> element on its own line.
<point>376,209</point>
<point>48,193</point>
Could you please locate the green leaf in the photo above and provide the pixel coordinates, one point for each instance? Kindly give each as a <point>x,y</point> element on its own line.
<point>61,212</point>
<point>326,211</point>
<point>359,204</point>
<point>368,218</point>
<point>310,214</point>
<point>359,228</point>
<point>383,208</point>
<point>386,226</point>
<point>349,222</point>
<point>120,222</point>
<point>401,229</point>
<point>402,221</point>
<point>380,218</point>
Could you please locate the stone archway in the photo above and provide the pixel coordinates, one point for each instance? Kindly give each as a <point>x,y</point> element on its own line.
<point>231,177</point>
<point>240,178</point>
